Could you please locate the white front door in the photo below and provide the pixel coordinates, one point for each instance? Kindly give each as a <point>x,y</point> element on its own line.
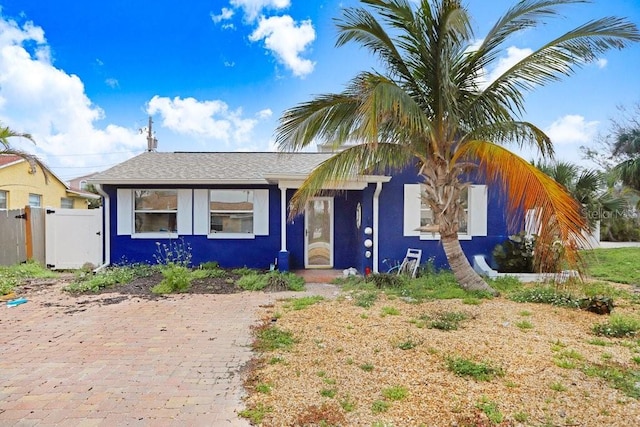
<point>318,230</point>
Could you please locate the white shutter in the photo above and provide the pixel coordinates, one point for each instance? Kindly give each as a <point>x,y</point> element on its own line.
<point>478,210</point>
<point>261,212</point>
<point>124,216</point>
<point>411,210</point>
<point>185,212</point>
<point>200,212</point>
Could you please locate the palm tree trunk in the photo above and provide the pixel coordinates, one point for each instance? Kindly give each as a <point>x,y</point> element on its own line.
<point>466,276</point>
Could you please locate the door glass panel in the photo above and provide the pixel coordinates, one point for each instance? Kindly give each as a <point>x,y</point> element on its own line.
<point>319,233</point>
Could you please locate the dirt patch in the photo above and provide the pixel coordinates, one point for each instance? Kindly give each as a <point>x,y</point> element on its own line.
<point>342,367</point>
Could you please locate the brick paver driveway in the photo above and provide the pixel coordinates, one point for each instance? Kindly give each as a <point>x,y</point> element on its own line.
<point>111,360</point>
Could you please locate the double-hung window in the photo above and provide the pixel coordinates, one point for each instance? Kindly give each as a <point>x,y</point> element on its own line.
<point>428,222</point>
<point>66,203</point>
<point>419,219</point>
<point>4,199</point>
<point>231,211</point>
<point>155,211</point>
<point>35,200</point>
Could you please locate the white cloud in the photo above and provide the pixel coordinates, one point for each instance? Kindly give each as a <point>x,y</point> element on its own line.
<point>514,55</point>
<point>202,119</point>
<point>253,8</point>
<point>572,129</point>
<point>265,114</point>
<point>602,62</point>
<point>224,15</point>
<point>112,83</point>
<point>287,41</point>
<point>38,98</point>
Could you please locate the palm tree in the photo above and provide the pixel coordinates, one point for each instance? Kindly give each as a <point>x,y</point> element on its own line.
<point>431,106</point>
<point>589,187</point>
<point>34,162</point>
<point>627,146</point>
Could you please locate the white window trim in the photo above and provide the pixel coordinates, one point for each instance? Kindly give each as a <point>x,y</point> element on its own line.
<point>6,200</point>
<point>476,221</point>
<point>126,213</point>
<point>202,215</point>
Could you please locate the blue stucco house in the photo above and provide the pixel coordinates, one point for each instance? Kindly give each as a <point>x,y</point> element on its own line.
<point>233,208</point>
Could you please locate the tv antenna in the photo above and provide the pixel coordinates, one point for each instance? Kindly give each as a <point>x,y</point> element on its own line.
<point>152,141</point>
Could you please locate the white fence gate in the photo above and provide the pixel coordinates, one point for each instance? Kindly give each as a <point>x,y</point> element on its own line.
<point>73,238</point>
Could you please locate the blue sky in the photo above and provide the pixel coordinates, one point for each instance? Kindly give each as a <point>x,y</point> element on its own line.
<point>83,76</point>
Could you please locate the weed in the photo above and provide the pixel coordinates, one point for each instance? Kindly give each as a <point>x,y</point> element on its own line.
<point>209,265</point>
<point>255,414</point>
<point>546,295</point>
<point>619,377</point>
<point>347,404</point>
<point>511,384</point>
<point>395,393</point>
<point>447,321</point>
<point>525,313</point>
<point>108,277</point>
<point>271,338</point>
<point>478,371</point>
<point>389,311</point>
<point>471,301</point>
<point>606,356</point>
<point>380,406</point>
<point>304,302</point>
<point>407,344</point>
<point>600,342</point>
<point>264,388</point>
<point>173,253</point>
<point>367,367</point>
<point>490,409</point>
<point>176,278</point>
<point>557,386</point>
<point>524,325</point>
<point>366,299</point>
<point>328,392</point>
<point>275,360</point>
<point>243,271</point>
<point>521,417</point>
<point>618,326</point>
<point>505,284</point>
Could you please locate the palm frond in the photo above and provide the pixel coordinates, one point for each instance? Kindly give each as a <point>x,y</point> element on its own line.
<point>33,160</point>
<point>350,163</point>
<point>526,188</point>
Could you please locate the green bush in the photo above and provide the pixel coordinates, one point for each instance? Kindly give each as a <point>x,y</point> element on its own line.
<point>273,280</point>
<point>386,280</point>
<point>618,326</point>
<point>478,371</point>
<point>108,277</point>
<point>546,295</point>
<point>515,255</point>
<point>176,278</point>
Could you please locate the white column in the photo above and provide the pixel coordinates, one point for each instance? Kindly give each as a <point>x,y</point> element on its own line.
<point>283,219</point>
<point>376,223</point>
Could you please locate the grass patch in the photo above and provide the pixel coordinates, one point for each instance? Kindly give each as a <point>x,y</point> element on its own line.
<point>395,393</point>
<point>618,265</point>
<point>303,302</point>
<point>367,367</point>
<point>328,392</point>
<point>490,409</point>
<point>11,276</point>
<point>621,378</point>
<point>380,406</point>
<point>252,280</point>
<point>557,386</point>
<point>270,338</point>
<point>365,299</point>
<point>446,321</point>
<point>264,388</point>
<point>546,295</point>
<point>108,277</point>
<point>255,414</point>
<point>618,326</point>
<point>389,311</point>
<point>524,325</point>
<point>478,371</point>
<point>176,278</point>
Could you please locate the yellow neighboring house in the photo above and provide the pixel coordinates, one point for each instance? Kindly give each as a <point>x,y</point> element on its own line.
<point>21,186</point>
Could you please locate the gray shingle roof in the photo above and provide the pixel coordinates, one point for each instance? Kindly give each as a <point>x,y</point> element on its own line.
<point>209,167</point>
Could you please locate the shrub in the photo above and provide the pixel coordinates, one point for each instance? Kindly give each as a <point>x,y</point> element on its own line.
<point>478,371</point>
<point>546,295</point>
<point>174,252</point>
<point>386,280</point>
<point>108,277</point>
<point>177,278</point>
<point>515,255</point>
<point>618,326</point>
